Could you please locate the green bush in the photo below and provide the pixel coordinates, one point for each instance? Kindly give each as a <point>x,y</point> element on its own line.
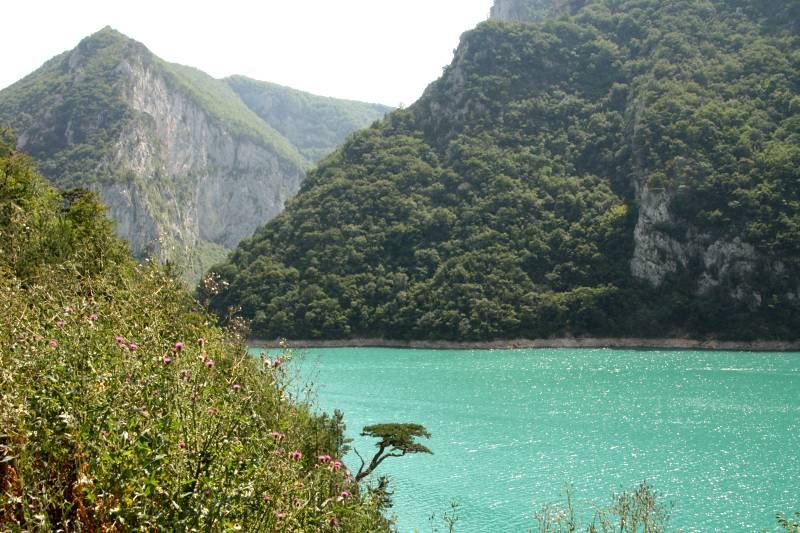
<point>122,405</point>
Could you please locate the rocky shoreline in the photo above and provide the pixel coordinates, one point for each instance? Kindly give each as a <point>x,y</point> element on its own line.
<point>671,344</point>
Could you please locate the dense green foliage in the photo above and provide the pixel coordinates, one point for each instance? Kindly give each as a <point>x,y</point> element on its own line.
<point>503,203</point>
<point>316,125</point>
<point>122,408</point>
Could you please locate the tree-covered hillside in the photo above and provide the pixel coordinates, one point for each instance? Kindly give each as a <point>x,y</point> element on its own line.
<point>316,125</point>
<point>631,169</point>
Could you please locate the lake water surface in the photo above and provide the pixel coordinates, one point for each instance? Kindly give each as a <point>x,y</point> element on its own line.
<point>717,433</point>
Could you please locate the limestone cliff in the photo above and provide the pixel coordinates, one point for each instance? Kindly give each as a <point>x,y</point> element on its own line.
<point>533,10</point>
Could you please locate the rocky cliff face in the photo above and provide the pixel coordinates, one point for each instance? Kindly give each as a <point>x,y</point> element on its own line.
<point>661,251</point>
<point>533,10</point>
<point>198,182</point>
<point>186,168</point>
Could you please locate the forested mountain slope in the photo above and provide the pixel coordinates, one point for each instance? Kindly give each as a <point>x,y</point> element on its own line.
<point>316,125</point>
<point>622,167</point>
<point>185,166</point>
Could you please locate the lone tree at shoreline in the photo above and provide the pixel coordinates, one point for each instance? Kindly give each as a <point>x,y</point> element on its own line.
<point>396,440</point>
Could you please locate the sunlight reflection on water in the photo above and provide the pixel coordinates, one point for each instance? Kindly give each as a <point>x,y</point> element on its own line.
<point>717,433</point>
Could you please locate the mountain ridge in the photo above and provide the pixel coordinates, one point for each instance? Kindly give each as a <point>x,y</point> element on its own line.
<point>622,171</point>
<point>185,166</point>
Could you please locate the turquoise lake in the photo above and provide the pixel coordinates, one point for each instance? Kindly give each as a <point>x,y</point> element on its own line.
<point>716,433</point>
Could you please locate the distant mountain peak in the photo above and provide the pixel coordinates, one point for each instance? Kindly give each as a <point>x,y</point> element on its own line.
<point>109,37</point>
<point>187,166</point>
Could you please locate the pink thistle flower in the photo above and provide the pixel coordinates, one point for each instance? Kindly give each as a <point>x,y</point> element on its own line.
<point>281,515</point>
<point>178,346</point>
<point>207,493</point>
<point>336,465</point>
<point>133,346</point>
<point>266,498</point>
<point>61,323</point>
<point>277,362</point>
<point>296,455</point>
<point>167,360</point>
<point>324,458</point>
<point>210,363</point>
<point>344,494</point>
<point>119,339</point>
<point>181,445</point>
<point>334,522</point>
<point>237,387</point>
<point>277,435</point>
<point>68,310</point>
<point>211,410</point>
<point>53,343</point>
<point>93,317</point>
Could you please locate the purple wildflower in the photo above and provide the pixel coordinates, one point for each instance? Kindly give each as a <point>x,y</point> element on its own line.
<point>178,346</point>
<point>133,346</point>
<point>237,387</point>
<point>53,343</point>
<point>296,455</point>
<point>60,323</point>
<point>181,445</point>
<point>167,360</point>
<point>344,494</point>
<point>210,363</point>
<point>324,458</point>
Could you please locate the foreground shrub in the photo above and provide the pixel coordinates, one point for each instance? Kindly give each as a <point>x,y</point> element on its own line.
<point>123,407</point>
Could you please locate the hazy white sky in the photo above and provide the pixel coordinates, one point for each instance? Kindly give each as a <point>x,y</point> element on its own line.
<point>372,50</point>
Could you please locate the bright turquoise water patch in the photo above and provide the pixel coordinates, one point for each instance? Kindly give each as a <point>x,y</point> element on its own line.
<point>717,433</point>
